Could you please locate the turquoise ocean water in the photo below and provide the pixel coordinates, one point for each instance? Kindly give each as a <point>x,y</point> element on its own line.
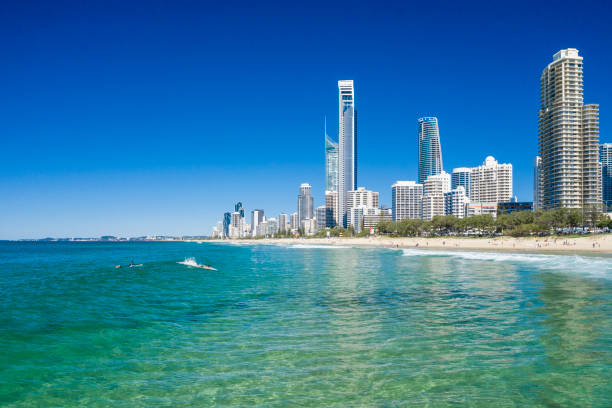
<point>301,326</point>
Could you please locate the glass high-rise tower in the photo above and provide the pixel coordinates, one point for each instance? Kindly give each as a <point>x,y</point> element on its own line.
<point>568,137</point>
<point>605,157</point>
<point>347,147</point>
<point>305,203</point>
<point>331,163</point>
<point>430,152</point>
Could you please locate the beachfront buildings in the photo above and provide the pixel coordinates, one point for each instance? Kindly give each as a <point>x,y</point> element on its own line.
<point>257,217</point>
<point>283,222</point>
<point>568,136</point>
<point>406,198</point>
<point>491,182</point>
<point>305,203</point>
<point>472,209</point>
<point>362,197</point>
<point>294,221</point>
<point>461,176</point>
<point>347,148</point>
<point>455,202</point>
<point>430,152</point>
<point>361,202</point>
<point>605,157</point>
<point>537,183</point>
<point>434,189</point>
<point>331,208</point>
<point>382,214</point>
<point>321,217</point>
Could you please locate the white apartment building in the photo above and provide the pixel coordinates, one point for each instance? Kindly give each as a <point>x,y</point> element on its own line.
<point>461,176</point>
<point>568,136</point>
<point>491,182</point>
<point>283,222</point>
<point>406,199</point>
<point>362,197</point>
<point>433,194</point>
<point>455,202</point>
<point>294,221</point>
<point>472,209</point>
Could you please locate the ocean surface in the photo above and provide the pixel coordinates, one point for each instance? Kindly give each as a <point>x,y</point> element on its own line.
<point>301,325</point>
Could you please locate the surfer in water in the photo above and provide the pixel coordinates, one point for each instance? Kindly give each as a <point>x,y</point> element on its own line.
<point>131,265</point>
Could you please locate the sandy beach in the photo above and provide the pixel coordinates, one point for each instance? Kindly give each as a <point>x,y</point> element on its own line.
<point>594,243</point>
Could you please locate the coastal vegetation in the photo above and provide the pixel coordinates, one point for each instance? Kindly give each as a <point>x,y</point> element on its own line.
<point>517,224</point>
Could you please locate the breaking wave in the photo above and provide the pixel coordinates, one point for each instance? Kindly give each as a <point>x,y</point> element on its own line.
<point>598,266</point>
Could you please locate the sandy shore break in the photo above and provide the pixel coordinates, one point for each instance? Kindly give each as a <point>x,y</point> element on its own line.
<point>594,243</point>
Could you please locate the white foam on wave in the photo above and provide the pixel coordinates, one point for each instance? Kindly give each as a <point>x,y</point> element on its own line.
<point>190,262</point>
<point>598,266</point>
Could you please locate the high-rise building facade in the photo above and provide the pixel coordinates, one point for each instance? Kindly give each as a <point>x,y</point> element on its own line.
<point>294,221</point>
<point>227,221</point>
<point>238,207</point>
<point>430,152</point>
<point>331,163</point>
<point>568,136</point>
<point>455,202</point>
<point>491,182</point>
<point>406,197</point>
<point>257,216</point>
<point>321,217</point>
<point>461,176</point>
<point>283,222</point>
<point>331,208</point>
<point>362,197</point>
<point>305,203</point>
<point>605,157</point>
<point>347,146</point>
<point>537,183</point>
<point>434,189</point>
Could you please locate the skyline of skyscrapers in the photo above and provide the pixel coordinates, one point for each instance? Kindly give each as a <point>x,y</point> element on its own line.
<point>573,171</point>
<point>568,136</point>
<point>347,166</point>
<point>430,151</point>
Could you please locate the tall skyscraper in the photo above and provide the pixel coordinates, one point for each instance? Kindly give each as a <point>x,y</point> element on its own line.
<point>305,203</point>
<point>347,146</point>
<point>294,221</point>
<point>331,206</point>
<point>257,217</point>
<point>227,221</point>
<point>430,152</point>
<point>568,136</point>
<point>605,157</point>
<point>537,183</point>
<point>331,163</point>
<point>238,208</point>
<point>406,197</point>
<point>283,222</point>
<point>491,182</point>
<point>461,176</point>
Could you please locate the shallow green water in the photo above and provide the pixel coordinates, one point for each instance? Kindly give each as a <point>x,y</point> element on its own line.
<point>301,326</point>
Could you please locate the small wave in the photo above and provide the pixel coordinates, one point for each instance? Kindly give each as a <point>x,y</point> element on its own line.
<point>190,262</point>
<point>591,265</point>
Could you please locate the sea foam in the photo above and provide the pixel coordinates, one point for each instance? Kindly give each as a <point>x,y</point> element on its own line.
<point>592,265</point>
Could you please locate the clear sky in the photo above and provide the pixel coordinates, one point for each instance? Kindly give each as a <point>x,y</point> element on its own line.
<point>133,118</point>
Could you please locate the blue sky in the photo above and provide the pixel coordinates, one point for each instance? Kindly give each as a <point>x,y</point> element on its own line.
<point>132,118</point>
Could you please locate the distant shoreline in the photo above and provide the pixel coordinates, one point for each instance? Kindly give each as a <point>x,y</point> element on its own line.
<point>596,243</point>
